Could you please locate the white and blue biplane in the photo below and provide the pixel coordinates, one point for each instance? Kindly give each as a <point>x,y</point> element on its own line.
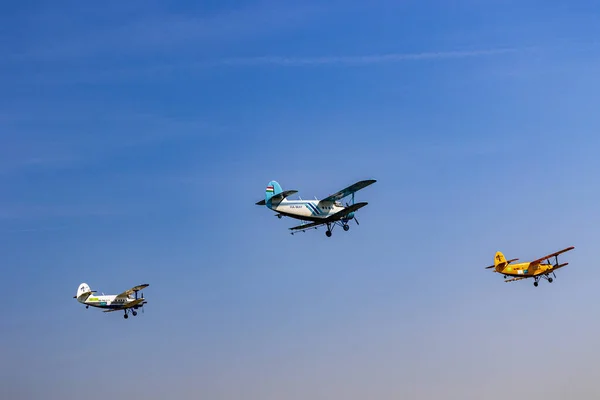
<point>326,212</point>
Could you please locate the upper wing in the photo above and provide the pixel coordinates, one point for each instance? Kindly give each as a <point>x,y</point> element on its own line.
<point>278,197</point>
<point>132,290</point>
<point>539,260</point>
<point>349,190</point>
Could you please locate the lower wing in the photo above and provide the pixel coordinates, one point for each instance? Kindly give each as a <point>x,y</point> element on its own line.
<point>332,218</point>
<point>341,214</point>
<point>308,226</point>
<point>121,307</point>
<point>517,279</point>
<point>559,266</point>
<point>135,303</point>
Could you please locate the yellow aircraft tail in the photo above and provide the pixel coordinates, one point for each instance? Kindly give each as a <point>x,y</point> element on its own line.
<point>499,261</point>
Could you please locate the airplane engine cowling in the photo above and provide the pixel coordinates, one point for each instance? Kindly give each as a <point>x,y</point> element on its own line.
<point>349,217</point>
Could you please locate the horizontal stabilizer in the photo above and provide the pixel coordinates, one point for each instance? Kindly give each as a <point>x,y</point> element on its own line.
<point>508,262</point>
<point>283,195</point>
<point>277,198</point>
<point>89,292</point>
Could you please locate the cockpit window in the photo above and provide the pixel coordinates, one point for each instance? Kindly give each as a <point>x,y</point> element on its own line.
<point>338,204</point>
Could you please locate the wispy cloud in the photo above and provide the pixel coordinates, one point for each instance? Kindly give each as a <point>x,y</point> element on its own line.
<point>200,66</point>
<point>358,59</point>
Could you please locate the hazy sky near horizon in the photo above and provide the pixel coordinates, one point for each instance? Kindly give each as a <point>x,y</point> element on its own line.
<point>135,138</point>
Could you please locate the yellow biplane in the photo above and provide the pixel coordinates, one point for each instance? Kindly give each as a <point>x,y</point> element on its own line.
<point>537,269</point>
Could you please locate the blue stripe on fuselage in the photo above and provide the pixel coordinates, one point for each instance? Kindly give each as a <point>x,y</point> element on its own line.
<point>314,208</point>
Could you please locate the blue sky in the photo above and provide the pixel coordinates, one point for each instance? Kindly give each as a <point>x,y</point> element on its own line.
<point>137,137</point>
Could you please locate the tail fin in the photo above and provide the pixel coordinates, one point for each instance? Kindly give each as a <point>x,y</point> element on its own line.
<point>499,261</point>
<point>83,292</point>
<point>272,189</point>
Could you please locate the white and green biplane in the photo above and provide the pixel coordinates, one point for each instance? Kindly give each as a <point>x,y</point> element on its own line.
<point>128,301</point>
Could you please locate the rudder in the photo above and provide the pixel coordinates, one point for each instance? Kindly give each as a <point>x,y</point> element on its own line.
<point>83,292</point>
<point>272,189</point>
<point>499,260</point>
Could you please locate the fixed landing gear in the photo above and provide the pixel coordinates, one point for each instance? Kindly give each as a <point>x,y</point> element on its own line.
<point>86,307</point>
<point>330,227</point>
<point>546,277</point>
<point>133,312</point>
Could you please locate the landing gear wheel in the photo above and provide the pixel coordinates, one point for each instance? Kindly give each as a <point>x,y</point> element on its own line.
<point>134,313</point>
<point>86,307</point>
<point>328,233</point>
<point>550,280</point>
<point>346,227</point>
<point>125,316</point>
<point>535,284</point>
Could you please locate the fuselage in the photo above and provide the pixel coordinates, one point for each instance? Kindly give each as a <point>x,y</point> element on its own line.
<point>106,301</point>
<point>308,210</point>
<point>525,269</point>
